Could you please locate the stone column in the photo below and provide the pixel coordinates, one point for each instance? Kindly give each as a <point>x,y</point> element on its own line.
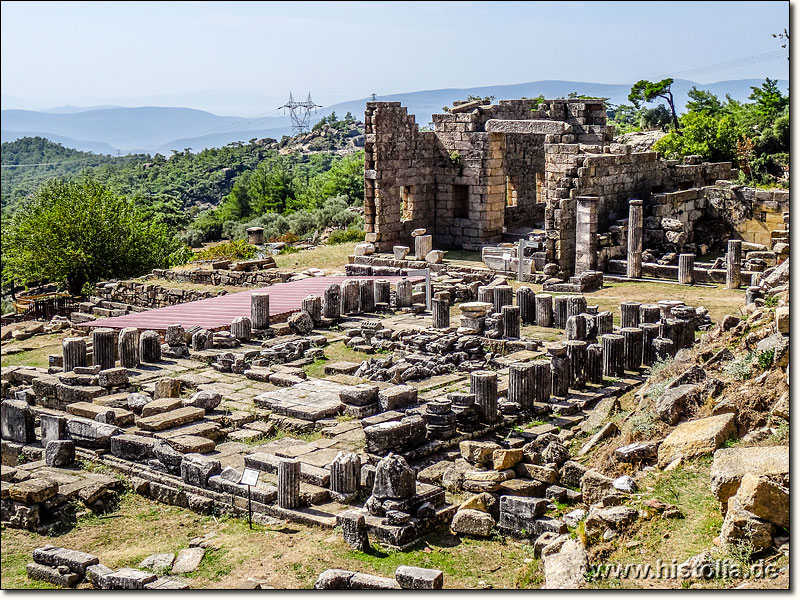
<point>423,244</point>
<point>686,269</point>
<point>526,300</point>
<point>313,306</point>
<point>405,291</point>
<point>331,302</point>
<point>649,313</point>
<point>687,316</point>
<point>382,292</point>
<point>605,322</point>
<point>288,483</point>
<point>520,384</point>
<point>484,385</point>
<point>594,363</point>
<point>560,311</point>
<point>733,280</point>
<point>575,328</point>
<point>259,310</point>
<point>103,347</point>
<point>511,327</point>
<point>576,305</point>
<point>635,225</point>
<point>629,314</point>
<point>649,333</point>
<point>202,340</point>
<point>503,296</point>
<point>345,476</point>
<point>633,347</point>
<point>542,381</point>
<point>241,329</point>
<point>366,291</point>
<point>354,529</point>
<point>73,351</point>
<point>544,310</point>
<point>586,233</point>
<point>559,363</point>
<point>150,347</point>
<point>666,307</point>
<point>486,294</point>
<point>128,348</point>
<point>613,355</point>
<point>577,353</point>
<point>663,349</point>
<point>350,296</point>
<point>441,313</point>
<point>672,329</point>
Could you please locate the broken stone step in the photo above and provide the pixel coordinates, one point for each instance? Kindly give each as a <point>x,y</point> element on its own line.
<point>341,368</point>
<point>55,556</point>
<point>204,428</point>
<point>52,575</point>
<point>162,405</point>
<point>186,444</point>
<point>173,418</point>
<point>90,410</point>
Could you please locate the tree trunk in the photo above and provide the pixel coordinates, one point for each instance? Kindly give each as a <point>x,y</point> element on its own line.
<point>75,283</point>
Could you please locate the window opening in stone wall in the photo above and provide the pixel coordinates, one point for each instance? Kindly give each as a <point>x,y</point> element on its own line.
<point>406,204</point>
<point>460,201</point>
<point>511,192</point>
<point>762,216</point>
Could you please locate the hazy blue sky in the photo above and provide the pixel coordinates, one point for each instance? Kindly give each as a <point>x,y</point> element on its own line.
<point>239,57</point>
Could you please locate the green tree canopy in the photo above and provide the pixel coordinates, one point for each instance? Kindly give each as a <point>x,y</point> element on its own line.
<point>646,91</point>
<point>79,232</point>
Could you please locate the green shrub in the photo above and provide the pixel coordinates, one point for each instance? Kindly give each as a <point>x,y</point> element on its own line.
<point>766,358</point>
<point>235,250</point>
<point>345,236</point>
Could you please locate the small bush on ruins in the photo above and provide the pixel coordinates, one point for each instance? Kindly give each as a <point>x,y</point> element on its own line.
<point>346,236</point>
<point>79,232</point>
<point>235,250</point>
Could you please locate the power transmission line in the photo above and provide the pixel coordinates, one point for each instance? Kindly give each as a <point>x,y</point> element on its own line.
<point>739,62</point>
<point>300,113</point>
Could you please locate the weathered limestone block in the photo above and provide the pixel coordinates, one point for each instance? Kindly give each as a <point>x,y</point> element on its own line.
<point>150,347</point>
<point>423,244</point>
<point>695,438</point>
<point>17,421</point>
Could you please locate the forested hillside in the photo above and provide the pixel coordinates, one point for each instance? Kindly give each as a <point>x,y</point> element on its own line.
<point>43,160</point>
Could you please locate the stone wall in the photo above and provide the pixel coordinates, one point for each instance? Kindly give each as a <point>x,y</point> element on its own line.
<point>476,172</point>
<point>614,175</point>
<point>222,277</point>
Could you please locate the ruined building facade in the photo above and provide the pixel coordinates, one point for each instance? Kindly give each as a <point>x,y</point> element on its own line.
<point>486,168</point>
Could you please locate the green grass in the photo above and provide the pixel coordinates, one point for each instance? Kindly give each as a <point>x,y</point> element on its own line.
<point>335,352</point>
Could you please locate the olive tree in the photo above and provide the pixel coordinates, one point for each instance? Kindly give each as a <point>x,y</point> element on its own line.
<point>76,232</point>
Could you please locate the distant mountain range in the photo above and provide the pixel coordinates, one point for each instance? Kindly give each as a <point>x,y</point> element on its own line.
<point>152,129</point>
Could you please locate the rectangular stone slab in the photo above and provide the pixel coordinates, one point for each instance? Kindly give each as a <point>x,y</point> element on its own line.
<point>161,405</point>
<point>191,443</point>
<point>173,418</point>
<point>90,411</point>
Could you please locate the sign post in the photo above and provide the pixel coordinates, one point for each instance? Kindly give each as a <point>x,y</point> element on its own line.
<point>249,478</point>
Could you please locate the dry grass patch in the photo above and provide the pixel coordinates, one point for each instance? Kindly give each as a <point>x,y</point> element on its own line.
<point>327,258</point>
